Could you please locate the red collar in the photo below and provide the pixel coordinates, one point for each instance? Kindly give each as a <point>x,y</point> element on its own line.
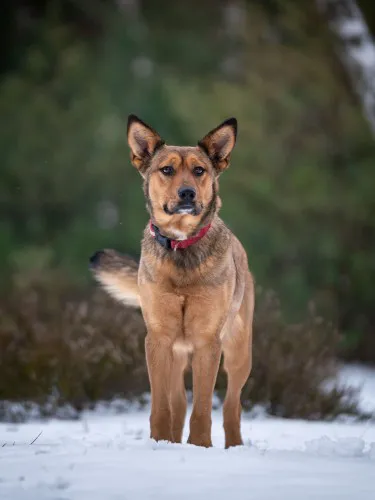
<point>170,244</point>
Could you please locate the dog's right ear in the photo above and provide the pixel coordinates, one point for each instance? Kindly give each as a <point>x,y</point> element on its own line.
<point>143,142</point>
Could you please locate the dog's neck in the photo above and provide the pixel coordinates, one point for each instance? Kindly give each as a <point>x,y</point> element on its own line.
<point>214,243</point>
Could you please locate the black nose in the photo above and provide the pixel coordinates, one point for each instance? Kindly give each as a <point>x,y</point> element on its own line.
<point>186,194</point>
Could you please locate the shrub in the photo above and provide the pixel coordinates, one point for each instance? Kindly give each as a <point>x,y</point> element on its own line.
<point>82,347</point>
<point>292,364</point>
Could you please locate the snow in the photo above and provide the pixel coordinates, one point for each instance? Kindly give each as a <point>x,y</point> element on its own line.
<point>108,456</point>
<point>357,50</point>
<point>351,27</point>
<point>361,377</point>
<point>364,54</point>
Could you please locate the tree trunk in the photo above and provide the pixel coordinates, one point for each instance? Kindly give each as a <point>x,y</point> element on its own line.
<point>356,49</point>
<point>234,29</point>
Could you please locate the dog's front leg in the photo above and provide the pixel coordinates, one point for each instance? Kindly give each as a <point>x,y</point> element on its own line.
<point>206,360</point>
<point>162,311</point>
<point>159,365</point>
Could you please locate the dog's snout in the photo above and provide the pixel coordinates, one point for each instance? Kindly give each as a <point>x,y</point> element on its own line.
<point>187,194</point>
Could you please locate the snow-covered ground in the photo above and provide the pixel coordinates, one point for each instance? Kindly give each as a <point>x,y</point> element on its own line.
<point>363,378</point>
<point>109,457</point>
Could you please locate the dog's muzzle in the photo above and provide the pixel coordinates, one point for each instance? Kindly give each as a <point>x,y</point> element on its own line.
<point>183,208</point>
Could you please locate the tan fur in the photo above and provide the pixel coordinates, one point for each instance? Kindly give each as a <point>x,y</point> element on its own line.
<point>118,274</point>
<point>197,302</point>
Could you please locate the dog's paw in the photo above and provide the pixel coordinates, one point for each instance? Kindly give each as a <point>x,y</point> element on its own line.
<point>200,440</point>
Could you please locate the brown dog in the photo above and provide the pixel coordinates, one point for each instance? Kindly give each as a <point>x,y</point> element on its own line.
<point>192,284</point>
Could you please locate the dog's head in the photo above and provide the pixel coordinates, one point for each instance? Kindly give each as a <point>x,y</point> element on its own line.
<point>181,182</point>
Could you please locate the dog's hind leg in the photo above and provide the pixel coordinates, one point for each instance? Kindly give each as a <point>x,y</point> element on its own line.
<point>178,394</point>
<point>238,369</point>
<point>237,348</point>
<point>237,364</point>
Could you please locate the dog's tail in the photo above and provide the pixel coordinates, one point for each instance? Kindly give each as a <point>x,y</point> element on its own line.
<point>118,275</point>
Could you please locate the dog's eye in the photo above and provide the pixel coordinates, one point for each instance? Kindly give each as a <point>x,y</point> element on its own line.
<point>167,170</point>
<point>198,171</point>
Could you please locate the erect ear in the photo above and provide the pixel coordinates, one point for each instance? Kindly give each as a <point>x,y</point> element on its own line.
<point>143,142</point>
<point>219,143</point>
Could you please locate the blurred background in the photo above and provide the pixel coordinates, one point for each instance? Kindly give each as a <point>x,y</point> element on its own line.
<point>299,193</point>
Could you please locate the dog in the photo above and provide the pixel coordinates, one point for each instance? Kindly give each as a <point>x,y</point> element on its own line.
<point>192,284</point>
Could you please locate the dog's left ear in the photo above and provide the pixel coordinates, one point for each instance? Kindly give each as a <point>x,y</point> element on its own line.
<point>219,143</point>
<point>143,141</point>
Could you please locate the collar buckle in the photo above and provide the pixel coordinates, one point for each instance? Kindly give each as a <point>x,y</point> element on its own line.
<point>164,241</point>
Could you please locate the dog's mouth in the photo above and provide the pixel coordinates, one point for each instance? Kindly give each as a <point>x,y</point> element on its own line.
<point>183,209</point>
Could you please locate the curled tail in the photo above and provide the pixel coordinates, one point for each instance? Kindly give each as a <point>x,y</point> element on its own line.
<point>118,275</point>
